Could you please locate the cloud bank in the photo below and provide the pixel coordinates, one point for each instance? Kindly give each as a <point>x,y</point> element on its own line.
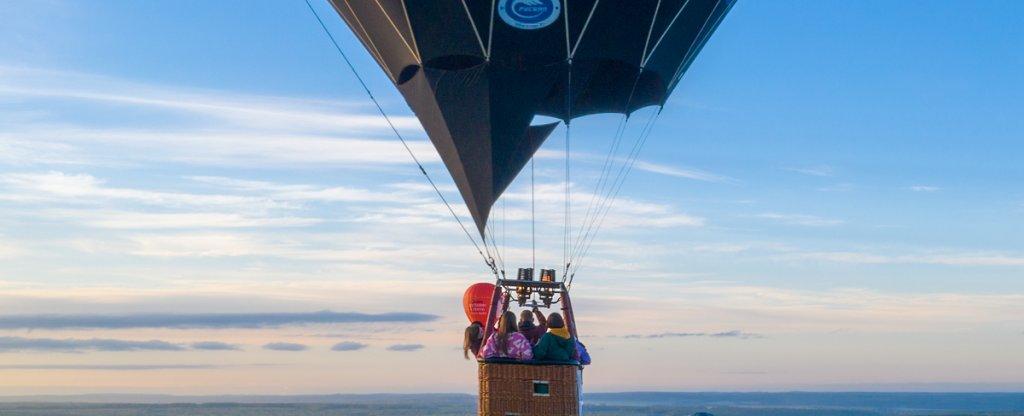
<point>285,346</point>
<point>348,346</point>
<point>405,347</point>
<point>15,344</point>
<point>214,346</point>
<point>209,320</point>
<point>727,334</point>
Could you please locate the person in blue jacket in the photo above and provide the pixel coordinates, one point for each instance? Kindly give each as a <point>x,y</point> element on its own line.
<point>581,352</point>
<point>557,344</point>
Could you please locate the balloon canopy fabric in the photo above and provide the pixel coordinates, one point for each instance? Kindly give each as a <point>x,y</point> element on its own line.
<point>477,72</point>
<point>476,301</point>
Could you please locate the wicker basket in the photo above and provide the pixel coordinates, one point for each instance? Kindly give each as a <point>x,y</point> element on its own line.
<point>508,389</point>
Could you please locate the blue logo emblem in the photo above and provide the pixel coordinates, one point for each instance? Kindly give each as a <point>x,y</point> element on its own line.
<point>529,14</point>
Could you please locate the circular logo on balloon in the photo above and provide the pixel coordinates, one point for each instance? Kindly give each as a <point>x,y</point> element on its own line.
<point>529,14</point>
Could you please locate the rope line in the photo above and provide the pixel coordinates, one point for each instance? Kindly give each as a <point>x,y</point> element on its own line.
<point>487,258</point>
<point>620,180</point>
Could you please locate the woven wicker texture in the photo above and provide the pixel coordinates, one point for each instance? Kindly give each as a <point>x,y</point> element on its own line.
<point>508,389</point>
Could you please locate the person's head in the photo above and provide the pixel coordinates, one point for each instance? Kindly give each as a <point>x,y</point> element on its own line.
<point>555,320</point>
<point>526,316</point>
<point>471,340</point>
<point>507,324</point>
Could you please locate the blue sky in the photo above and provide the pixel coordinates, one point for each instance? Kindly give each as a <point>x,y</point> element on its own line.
<point>197,197</point>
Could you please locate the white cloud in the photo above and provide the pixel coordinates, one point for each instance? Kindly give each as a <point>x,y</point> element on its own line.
<point>253,110</point>
<point>623,212</point>
<point>767,310</point>
<point>839,187</point>
<point>822,170</point>
<point>88,189</point>
<point>10,249</point>
<point>305,192</point>
<point>131,220</point>
<point>800,219</point>
<point>233,146</point>
<point>194,126</point>
<point>694,174</point>
<point>945,258</point>
<point>924,188</point>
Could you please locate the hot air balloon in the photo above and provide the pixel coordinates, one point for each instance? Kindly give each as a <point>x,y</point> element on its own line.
<point>478,72</point>
<point>477,301</point>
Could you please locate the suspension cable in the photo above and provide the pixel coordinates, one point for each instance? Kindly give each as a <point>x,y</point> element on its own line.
<point>604,171</point>
<point>489,260</point>
<point>568,207</point>
<point>620,180</point>
<point>533,214</point>
<point>599,189</point>
<point>566,258</point>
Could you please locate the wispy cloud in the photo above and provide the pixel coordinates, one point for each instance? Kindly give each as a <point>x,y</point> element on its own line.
<point>694,174</point>
<point>261,111</point>
<point>9,249</point>
<point>285,346</point>
<point>800,219</point>
<point>619,162</point>
<point>197,126</point>
<point>13,344</point>
<point>727,334</point>
<point>241,320</point>
<point>55,185</point>
<point>839,187</point>
<point>948,259</point>
<point>925,188</point>
<point>616,213</point>
<point>821,170</point>
<point>348,346</point>
<point>405,347</point>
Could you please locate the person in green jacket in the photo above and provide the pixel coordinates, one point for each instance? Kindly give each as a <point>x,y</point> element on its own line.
<point>557,344</point>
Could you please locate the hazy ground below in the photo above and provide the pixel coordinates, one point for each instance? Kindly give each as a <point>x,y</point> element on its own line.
<point>600,404</point>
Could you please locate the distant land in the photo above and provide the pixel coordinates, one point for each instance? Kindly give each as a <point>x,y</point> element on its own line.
<point>595,404</point>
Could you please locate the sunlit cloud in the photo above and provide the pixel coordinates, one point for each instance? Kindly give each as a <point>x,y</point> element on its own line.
<point>285,346</point>
<point>348,346</point>
<point>14,344</point>
<point>212,320</point>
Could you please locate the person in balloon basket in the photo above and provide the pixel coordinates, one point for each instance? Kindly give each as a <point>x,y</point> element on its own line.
<point>507,341</point>
<point>557,344</point>
<point>472,339</point>
<point>532,331</point>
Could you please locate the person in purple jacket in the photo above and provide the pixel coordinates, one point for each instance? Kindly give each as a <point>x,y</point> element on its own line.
<point>532,331</point>
<point>507,341</point>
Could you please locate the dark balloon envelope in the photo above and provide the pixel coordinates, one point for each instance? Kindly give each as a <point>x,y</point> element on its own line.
<point>476,72</point>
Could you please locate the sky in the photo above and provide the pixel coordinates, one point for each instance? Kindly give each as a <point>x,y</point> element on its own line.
<point>199,198</point>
